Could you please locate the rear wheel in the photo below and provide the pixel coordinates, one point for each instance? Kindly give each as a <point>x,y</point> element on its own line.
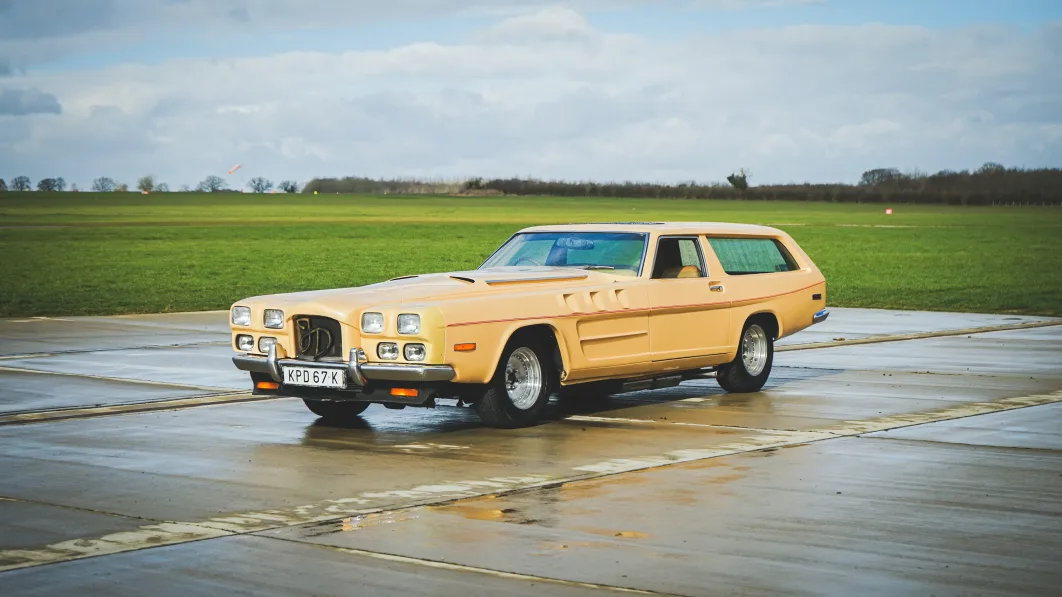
<point>520,389</point>
<point>748,372</point>
<point>336,410</point>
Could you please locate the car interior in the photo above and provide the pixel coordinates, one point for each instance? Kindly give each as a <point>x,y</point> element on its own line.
<point>677,258</point>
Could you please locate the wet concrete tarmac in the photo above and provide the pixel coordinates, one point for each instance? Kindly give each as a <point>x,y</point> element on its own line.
<point>914,467</point>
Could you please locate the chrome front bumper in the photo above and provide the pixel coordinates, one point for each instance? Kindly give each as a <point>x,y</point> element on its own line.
<point>359,372</point>
<point>820,316</point>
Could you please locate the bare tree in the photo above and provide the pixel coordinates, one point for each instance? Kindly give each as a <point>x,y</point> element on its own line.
<point>146,183</point>
<point>211,184</point>
<point>259,184</point>
<point>20,183</point>
<point>185,188</point>
<point>122,188</point>
<point>103,184</point>
<point>289,186</point>
<point>878,176</point>
<point>992,168</point>
<point>162,188</point>
<point>3,185</point>
<point>46,185</point>
<point>740,179</point>
<point>60,184</point>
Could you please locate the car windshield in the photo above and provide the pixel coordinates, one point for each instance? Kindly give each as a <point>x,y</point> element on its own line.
<point>615,252</point>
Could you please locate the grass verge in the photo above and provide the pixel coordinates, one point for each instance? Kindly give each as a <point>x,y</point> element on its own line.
<point>93,254</point>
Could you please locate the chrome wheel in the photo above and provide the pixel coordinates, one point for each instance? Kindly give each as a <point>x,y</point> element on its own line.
<point>523,378</point>
<point>754,350</point>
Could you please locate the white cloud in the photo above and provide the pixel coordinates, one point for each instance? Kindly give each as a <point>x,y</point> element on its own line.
<point>546,94</point>
<point>35,32</point>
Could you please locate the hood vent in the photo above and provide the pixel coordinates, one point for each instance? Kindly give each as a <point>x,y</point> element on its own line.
<point>463,279</point>
<point>505,281</point>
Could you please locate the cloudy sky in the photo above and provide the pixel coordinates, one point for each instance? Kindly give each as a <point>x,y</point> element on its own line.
<point>659,90</point>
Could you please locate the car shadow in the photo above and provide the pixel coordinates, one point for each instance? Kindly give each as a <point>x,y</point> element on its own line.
<point>379,425</point>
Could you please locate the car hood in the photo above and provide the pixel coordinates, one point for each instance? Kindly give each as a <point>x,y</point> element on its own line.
<point>346,303</point>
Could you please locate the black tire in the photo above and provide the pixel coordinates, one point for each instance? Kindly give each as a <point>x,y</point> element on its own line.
<point>336,410</point>
<point>735,376</point>
<point>496,407</point>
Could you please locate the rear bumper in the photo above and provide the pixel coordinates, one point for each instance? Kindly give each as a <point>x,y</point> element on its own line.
<point>820,316</point>
<point>358,372</point>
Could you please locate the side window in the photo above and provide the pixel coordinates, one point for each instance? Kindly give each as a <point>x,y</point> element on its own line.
<point>752,255</point>
<point>678,258</point>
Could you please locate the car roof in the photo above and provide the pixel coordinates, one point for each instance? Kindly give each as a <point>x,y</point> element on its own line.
<point>662,228</point>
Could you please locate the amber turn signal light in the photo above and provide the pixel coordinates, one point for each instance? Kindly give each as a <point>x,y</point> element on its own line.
<point>404,392</point>
<point>267,385</point>
<point>467,347</point>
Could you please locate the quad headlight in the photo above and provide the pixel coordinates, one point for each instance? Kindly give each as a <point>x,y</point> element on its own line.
<point>372,323</point>
<point>241,316</point>
<point>265,343</point>
<point>273,319</point>
<point>245,342</point>
<point>387,351</point>
<point>414,352</point>
<point>408,323</point>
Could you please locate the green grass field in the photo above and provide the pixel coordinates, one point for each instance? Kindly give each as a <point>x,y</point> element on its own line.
<point>84,253</point>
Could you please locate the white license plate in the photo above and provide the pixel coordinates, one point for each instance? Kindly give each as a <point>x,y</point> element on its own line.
<point>314,378</point>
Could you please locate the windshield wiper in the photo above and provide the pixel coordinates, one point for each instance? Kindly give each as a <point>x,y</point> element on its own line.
<point>596,267</point>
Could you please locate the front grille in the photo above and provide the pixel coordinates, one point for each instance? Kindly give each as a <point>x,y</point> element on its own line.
<point>317,337</point>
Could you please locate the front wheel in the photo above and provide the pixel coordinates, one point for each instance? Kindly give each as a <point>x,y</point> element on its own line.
<point>748,372</point>
<point>520,389</point>
<point>338,411</point>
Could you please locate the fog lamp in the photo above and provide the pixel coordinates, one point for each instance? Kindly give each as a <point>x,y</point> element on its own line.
<point>387,351</point>
<point>245,342</point>
<point>414,352</point>
<point>265,343</point>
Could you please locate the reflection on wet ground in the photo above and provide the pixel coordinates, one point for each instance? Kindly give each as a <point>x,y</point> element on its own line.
<point>858,469</point>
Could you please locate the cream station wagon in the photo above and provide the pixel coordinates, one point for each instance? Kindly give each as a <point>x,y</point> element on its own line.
<point>580,310</point>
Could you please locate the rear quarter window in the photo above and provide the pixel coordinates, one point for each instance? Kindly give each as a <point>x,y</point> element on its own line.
<point>740,256</point>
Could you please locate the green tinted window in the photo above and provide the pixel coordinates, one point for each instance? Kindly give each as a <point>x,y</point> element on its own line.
<point>619,253</point>
<point>752,255</point>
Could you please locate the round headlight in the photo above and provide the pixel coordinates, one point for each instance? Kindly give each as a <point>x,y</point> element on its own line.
<point>265,343</point>
<point>245,342</point>
<point>273,319</point>
<point>241,315</point>
<point>387,350</point>
<point>408,323</point>
<point>372,323</point>
<point>414,352</point>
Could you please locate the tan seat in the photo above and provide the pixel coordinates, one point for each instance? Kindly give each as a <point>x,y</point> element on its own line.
<point>688,271</point>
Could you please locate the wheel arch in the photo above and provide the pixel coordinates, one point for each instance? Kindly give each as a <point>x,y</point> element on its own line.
<point>546,334</point>
<point>768,320</point>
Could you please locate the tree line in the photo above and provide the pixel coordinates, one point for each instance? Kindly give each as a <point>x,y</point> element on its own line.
<point>146,184</point>
<point>394,186</point>
<point>990,184</point>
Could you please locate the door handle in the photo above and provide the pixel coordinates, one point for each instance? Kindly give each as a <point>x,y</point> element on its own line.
<point>716,287</point>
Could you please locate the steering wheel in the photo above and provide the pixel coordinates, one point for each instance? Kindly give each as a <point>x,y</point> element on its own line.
<point>522,259</point>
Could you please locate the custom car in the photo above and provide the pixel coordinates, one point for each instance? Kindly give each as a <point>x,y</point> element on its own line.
<point>578,311</point>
